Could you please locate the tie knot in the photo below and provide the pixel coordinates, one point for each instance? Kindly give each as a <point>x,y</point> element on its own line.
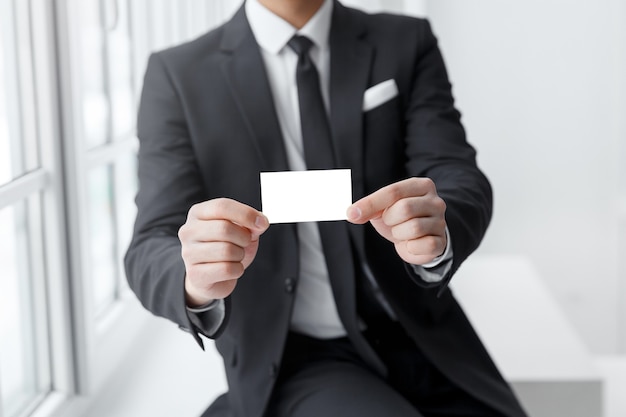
<point>300,45</point>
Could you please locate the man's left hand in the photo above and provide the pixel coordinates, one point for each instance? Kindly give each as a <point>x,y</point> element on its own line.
<point>408,213</point>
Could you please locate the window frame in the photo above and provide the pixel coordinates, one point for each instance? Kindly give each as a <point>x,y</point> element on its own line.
<point>93,338</point>
<point>85,351</point>
<point>28,189</point>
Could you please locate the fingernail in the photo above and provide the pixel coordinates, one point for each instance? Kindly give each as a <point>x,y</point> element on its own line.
<point>261,222</point>
<point>354,213</point>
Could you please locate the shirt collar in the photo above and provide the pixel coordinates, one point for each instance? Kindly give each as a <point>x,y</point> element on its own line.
<point>272,32</point>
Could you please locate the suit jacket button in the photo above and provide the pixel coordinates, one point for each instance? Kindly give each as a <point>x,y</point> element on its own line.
<point>273,370</point>
<point>290,285</point>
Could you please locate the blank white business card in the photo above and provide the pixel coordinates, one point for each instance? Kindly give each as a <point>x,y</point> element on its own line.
<point>306,196</point>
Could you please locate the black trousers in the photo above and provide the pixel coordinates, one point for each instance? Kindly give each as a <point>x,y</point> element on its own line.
<point>328,378</point>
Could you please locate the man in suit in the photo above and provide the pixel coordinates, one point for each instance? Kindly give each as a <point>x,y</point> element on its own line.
<point>336,318</point>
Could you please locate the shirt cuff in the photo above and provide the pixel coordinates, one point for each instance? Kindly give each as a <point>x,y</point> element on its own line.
<point>207,319</point>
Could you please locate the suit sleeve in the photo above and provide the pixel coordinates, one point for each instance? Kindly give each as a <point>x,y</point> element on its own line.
<point>436,147</point>
<point>169,184</point>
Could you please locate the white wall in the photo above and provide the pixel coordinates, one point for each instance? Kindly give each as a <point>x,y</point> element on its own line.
<point>541,87</point>
<point>621,11</point>
<point>411,7</point>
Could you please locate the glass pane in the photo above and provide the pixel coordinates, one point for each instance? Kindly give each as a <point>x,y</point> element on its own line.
<point>163,24</point>
<point>140,17</point>
<point>102,243</point>
<point>95,106</point>
<point>11,158</point>
<point>25,104</point>
<point>18,357</point>
<point>120,69</point>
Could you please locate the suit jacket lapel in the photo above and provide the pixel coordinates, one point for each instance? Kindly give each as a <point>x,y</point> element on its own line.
<point>245,71</point>
<point>350,65</point>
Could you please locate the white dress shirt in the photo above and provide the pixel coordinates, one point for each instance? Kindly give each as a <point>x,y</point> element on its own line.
<point>315,311</point>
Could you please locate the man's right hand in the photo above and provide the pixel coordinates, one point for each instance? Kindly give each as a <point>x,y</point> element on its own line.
<point>219,241</point>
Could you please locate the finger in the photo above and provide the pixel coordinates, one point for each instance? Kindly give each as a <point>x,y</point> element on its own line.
<point>203,275</point>
<point>222,289</point>
<point>205,252</point>
<point>231,210</point>
<point>250,252</point>
<point>224,231</point>
<point>404,210</point>
<point>430,246</point>
<point>199,296</point>
<point>418,227</point>
<point>373,205</point>
<point>414,207</point>
<point>214,231</point>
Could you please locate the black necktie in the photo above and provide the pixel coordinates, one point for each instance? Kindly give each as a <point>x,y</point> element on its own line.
<point>316,135</point>
<point>319,154</point>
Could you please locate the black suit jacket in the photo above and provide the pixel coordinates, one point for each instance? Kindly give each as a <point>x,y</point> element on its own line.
<point>207,127</point>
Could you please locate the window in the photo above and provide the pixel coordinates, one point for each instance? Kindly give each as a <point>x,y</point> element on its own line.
<point>24,366</point>
<point>102,237</point>
<point>24,345</point>
<point>70,73</point>
<point>10,147</point>
<point>106,136</point>
<point>17,142</point>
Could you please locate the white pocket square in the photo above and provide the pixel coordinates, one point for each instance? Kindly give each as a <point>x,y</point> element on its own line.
<point>379,94</point>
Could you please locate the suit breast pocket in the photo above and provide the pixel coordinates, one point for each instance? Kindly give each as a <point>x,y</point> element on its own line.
<point>384,149</point>
<point>386,113</point>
